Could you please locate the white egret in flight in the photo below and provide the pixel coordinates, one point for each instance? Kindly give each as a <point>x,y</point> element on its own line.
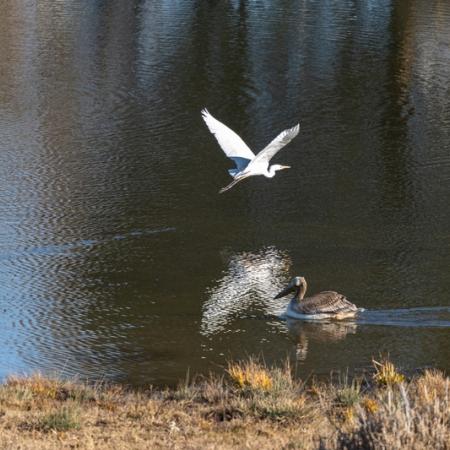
<point>247,164</point>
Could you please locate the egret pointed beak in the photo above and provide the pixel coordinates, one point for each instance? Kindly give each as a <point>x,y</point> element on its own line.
<point>286,291</point>
<point>285,167</point>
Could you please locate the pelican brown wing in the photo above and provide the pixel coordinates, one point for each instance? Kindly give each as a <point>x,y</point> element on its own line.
<point>328,302</point>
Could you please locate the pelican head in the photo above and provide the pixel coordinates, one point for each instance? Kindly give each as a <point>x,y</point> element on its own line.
<point>297,284</point>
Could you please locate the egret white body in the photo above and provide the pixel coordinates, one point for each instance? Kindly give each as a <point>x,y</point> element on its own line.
<point>247,163</point>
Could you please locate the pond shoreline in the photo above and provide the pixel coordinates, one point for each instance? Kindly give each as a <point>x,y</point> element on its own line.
<point>249,406</point>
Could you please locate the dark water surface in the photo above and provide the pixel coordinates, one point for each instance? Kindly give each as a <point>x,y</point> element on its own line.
<point>118,257</point>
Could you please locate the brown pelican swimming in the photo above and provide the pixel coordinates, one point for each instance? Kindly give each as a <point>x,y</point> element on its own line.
<point>247,164</point>
<point>324,305</point>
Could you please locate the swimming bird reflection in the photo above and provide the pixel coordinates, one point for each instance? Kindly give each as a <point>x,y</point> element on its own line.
<point>303,332</point>
<point>251,278</point>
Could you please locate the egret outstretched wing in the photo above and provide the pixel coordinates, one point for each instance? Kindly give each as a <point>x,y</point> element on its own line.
<point>231,143</point>
<point>267,153</point>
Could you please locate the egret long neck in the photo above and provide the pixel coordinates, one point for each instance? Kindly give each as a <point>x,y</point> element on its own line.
<point>270,172</point>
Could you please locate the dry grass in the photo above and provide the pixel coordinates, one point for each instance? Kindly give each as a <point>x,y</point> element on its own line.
<point>403,416</point>
<point>252,376</point>
<point>251,406</point>
<point>386,374</point>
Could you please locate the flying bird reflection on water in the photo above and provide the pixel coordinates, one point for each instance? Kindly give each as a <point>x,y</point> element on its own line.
<point>247,163</point>
<point>249,282</point>
<point>324,305</point>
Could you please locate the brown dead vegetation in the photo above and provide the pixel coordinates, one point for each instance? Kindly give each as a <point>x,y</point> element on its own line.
<point>251,406</point>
